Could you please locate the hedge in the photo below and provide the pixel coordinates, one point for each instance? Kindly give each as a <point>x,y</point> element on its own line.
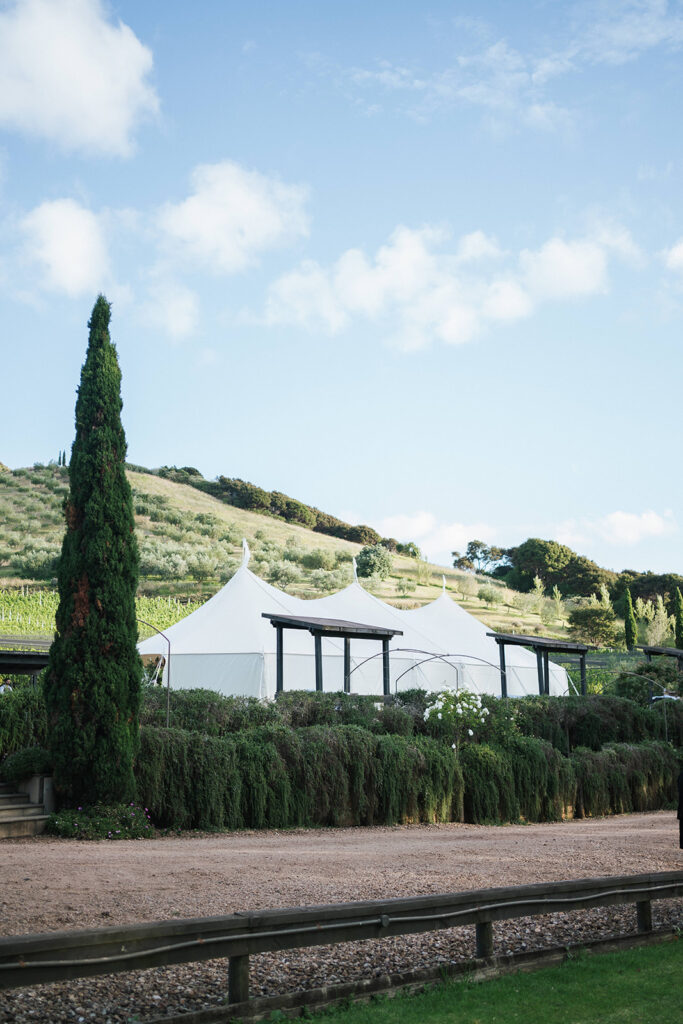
<point>624,777</point>
<point>278,777</point>
<point>23,720</point>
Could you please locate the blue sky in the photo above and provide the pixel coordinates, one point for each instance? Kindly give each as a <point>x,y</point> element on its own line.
<point>420,265</point>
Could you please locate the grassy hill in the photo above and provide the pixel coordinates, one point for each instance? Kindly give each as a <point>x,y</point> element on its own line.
<point>191,543</point>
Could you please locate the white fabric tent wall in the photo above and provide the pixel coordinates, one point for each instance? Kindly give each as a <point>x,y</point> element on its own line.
<point>226,645</point>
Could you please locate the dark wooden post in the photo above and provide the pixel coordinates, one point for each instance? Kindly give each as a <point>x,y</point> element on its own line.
<point>644,913</point>
<point>318,662</point>
<point>648,655</point>
<point>238,979</point>
<point>386,678</point>
<point>503,673</point>
<point>582,660</point>
<point>484,939</point>
<point>539,666</point>
<point>347,665</point>
<point>279,661</point>
<point>546,673</point>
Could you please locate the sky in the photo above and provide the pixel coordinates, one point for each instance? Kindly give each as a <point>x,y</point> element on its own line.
<point>417,264</point>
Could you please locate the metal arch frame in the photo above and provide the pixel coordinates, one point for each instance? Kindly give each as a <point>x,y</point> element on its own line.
<point>168,667</point>
<point>431,657</point>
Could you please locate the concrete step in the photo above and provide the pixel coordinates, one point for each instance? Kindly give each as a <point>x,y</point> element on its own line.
<point>27,810</point>
<point>15,828</point>
<point>9,799</point>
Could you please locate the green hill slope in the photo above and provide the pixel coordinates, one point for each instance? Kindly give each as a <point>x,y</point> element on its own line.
<point>191,543</point>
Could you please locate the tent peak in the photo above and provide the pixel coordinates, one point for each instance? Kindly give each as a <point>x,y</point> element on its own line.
<point>246,553</point>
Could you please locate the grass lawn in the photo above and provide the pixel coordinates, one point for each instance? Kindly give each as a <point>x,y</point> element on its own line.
<point>636,986</point>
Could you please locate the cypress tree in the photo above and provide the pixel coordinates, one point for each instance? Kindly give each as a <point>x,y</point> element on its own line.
<point>678,616</point>
<point>94,673</point>
<point>630,623</point>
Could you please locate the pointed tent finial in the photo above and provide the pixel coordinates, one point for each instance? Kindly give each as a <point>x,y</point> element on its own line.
<point>444,583</point>
<point>355,570</point>
<point>246,553</point>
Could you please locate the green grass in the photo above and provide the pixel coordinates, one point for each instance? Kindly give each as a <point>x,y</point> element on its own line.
<point>636,986</point>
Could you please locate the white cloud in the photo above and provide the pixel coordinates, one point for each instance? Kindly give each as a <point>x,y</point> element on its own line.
<point>416,292</point>
<point>563,270</point>
<point>172,308</point>
<point>435,539</point>
<point>512,87</point>
<point>68,75</point>
<point>232,216</point>
<point>673,257</point>
<point>67,242</point>
<point>624,528</point>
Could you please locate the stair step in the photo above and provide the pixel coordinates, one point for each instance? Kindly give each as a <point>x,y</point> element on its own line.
<point>15,828</point>
<point>9,799</point>
<point>27,810</point>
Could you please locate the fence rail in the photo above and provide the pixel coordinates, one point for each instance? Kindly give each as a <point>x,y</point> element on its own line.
<point>59,956</point>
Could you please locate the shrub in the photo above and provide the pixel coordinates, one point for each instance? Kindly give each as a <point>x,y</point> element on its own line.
<point>624,777</point>
<point>113,821</point>
<point>374,561</point>
<point>24,763</point>
<point>23,720</point>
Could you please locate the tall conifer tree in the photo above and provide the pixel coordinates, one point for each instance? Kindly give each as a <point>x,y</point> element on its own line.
<point>93,684</point>
<point>630,623</point>
<point>678,617</point>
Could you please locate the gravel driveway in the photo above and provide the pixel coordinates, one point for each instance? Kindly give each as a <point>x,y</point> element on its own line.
<point>53,884</point>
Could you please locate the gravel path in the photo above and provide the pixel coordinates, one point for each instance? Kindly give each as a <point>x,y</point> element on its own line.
<point>52,884</point>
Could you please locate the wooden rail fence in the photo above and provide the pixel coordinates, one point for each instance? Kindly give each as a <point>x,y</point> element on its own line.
<point>59,956</point>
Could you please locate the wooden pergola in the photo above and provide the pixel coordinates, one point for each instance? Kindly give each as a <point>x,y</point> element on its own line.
<point>542,647</point>
<point>338,628</point>
<point>662,652</point>
<point>23,663</point>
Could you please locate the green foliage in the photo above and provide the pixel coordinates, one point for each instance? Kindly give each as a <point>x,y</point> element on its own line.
<point>678,616</point>
<point>206,711</point>
<point>113,821</point>
<point>24,763</point>
<point>303,708</point>
<point>374,560</point>
<point>279,777</point>
<point>593,625</point>
<point>647,677</point>
<point>623,777</point>
<point>93,680</point>
<point>453,715</point>
<point>555,564</point>
<point>630,626</point>
<point>23,720</point>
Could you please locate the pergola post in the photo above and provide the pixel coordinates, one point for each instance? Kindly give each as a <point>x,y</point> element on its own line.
<point>539,666</point>
<point>582,661</point>
<point>347,665</point>
<point>546,673</point>
<point>279,661</point>
<point>318,662</point>
<point>386,678</point>
<point>503,674</point>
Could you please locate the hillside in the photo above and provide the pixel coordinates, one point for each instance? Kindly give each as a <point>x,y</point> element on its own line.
<point>191,543</point>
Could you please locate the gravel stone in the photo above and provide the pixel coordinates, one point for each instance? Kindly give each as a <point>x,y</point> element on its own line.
<point>89,884</point>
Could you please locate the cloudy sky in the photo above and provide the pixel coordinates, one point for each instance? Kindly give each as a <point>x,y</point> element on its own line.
<point>418,264</point>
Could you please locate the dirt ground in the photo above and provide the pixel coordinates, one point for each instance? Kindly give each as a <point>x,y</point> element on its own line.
<point>53,884</point>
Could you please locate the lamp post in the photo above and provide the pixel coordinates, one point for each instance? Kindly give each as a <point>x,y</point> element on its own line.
<point>168,666</point>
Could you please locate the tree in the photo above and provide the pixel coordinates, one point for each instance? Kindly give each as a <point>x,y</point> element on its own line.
<point>592,625</point>
<point>374,560</point>
<point>462,561</point>
<point>631,627</point>
<point>678,615</point>
<point>93,678</point>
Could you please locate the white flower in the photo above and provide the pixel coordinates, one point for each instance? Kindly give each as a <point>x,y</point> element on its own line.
<point>439,715</point>
<point>452,746</point>
<point>470,732</point>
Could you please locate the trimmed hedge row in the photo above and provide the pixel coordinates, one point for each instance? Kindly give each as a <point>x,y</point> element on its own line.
<point>280,777</point>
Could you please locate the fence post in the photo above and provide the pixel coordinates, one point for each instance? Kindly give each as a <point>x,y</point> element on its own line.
<point>238,979</point>
<point>644,912</point>
<point>484,939</point>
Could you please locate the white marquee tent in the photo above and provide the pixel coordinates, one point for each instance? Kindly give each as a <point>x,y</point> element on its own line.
<point>227,645</point>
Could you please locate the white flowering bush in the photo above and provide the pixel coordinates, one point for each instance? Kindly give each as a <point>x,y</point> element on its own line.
<point>456,715</point>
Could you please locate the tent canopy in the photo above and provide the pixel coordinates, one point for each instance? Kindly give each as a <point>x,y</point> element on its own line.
<point>227,645</point>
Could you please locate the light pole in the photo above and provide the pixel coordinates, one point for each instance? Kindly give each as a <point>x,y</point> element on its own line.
<point>168,667</point>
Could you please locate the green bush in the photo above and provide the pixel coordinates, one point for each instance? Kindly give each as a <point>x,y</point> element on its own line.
<point>205,711</point>
<point>624,777</point>
<point>23,720</point>
<point>278,777</point>
<point>115,821</point>
<point>24,763</point>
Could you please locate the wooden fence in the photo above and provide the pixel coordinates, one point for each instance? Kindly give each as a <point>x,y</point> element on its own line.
<point>59,956</point>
